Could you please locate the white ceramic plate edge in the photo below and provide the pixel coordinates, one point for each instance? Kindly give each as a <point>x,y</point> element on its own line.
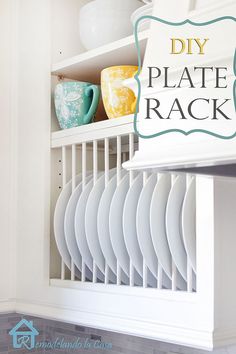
<point>129,224</point>
<point>143,225</point>
<point>58,222</point>
<point>189,223</point>
<point>157,223</point>
<point>115,224</point>
<point>69,229</point>
<point>103,222</point>
<point>91,221</point>
<point>173,225</point>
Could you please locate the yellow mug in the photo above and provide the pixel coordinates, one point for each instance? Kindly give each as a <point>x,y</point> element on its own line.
<point>118,100</point>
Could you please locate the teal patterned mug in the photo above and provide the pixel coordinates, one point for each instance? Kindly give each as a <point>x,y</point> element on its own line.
<point>76,103</point>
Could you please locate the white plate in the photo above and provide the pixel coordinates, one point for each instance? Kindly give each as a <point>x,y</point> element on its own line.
<point>143,225</point>
<point>80,227</point>
<point>144,231</point>
<point>158,227</point>
<point>189,222</point>
<point>59,216</point>
<point>103,223</point>
<point>173,225</point>
<point>129,224</point>
<point>115,224</point>
<point>70,230</point>
<point>157,222</point>
<point>142,11</point>
<point>91,230</point>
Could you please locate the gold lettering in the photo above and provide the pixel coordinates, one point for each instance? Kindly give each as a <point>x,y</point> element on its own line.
<point>180,45</point>
<point>201,45</point>
<point>174,50</point>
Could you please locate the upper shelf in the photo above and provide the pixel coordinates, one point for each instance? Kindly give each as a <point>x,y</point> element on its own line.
<point>87,66</point>
<point>95,131</point>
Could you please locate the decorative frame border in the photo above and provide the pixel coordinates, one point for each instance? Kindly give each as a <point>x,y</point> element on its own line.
<point>140,67</point>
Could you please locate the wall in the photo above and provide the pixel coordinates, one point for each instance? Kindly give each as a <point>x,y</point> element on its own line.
<point>8,176</point>
<point>33,147</point>
<point>65,29</point>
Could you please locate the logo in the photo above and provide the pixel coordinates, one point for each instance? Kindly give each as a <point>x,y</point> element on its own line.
<point>24,334</point>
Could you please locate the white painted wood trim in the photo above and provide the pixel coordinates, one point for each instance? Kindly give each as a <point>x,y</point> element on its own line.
<point>165,333</point>
<point>195,14</point>
<point>94,131</point>
<point>142,161</point>
<point>131,326</point>
<point>113,289</point>
<point>13,227</point>
<point>7,306</point>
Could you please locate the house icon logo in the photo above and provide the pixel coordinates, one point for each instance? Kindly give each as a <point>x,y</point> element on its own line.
<point>24,334</point>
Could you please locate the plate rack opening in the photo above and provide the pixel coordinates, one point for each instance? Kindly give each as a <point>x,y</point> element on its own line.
<point>117,227</point>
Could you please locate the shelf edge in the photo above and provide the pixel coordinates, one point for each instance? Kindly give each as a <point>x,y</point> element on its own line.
<point>103,50</point>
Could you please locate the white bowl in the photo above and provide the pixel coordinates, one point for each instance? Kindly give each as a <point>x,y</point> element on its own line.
<point>145,10</point>
<point>105,21</point>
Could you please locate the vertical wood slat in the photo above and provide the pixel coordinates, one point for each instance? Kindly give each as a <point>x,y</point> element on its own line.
<point>94,272</point>
<point>95,177</point>
<point>95,161</point>
<point>159,276</point>
<point>131,155</point>
<point>106,163</point>
<point>84,165</point>
<point>62,270</point>
<point>118,174</point>
<point>73,173</point>
<point>145,275</point>
<point>64,177</point>
<point>118,273</point>
<point>84,171</point>
<point>174,269</point>
<point>145,269</point>
<point>189,267</point>
<point>159,267</point>
<point>131,179</point>
<point>106,159</point>
<point>63,159</point>
<point>118,159</point>
<point>73,166</point>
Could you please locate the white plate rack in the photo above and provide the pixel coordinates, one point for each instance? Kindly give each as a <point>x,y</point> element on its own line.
<point>118,227</point>
<point>179,290</point>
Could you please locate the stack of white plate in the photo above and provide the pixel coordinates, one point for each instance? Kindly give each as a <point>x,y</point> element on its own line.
<point>145,10</point>
<point>110,224</point>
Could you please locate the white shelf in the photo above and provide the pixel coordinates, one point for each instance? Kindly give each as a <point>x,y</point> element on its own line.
<point>93,131</point>
<point>88,65</point>
<point>153,293</point>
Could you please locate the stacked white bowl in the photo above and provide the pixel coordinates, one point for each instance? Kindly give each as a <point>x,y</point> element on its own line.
<point>145,10</point>
<point>105,21</point>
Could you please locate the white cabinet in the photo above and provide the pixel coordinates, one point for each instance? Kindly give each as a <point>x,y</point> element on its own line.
<point>200,4</point>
